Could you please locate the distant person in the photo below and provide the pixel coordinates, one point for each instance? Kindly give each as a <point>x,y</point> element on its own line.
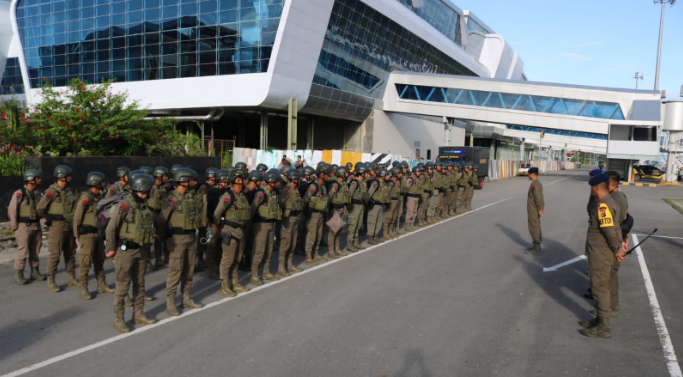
<point>299,164</point>
<point>284,162</point>
<point>535,210</point>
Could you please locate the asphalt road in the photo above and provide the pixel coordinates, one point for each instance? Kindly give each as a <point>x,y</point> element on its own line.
<point>457,299</point>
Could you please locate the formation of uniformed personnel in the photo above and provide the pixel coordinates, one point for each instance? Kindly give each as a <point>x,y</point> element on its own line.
<point>316,201</point>
<point>378,193</point>
<point>25,222</point>
<point>389,231</point>
<point>57,207</point>
<point>604,246</point>
<point>358,191</point>
<point>535,207</point>
<point>292,206</point>
<point>177,223</point>
<point>265,211</point>
<point>130,228</point>
<point>91,248</point>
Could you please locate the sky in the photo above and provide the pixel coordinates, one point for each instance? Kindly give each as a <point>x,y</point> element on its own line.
<point>589,42</point>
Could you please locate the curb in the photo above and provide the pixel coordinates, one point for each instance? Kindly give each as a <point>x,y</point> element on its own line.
<point>639,184</point>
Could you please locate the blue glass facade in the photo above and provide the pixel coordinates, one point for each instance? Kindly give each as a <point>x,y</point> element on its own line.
<point>12,82</point>
<point>362,47</point>
<point>552,131</point>
<point>444,18</point>
<point>136,40</point>
<point>539,104</point>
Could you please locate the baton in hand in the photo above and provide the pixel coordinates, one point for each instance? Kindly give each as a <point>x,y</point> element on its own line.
<point>641,242</point>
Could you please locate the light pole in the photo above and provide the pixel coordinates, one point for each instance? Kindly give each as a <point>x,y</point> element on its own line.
<point>661,33</point>
<point>638,76</point>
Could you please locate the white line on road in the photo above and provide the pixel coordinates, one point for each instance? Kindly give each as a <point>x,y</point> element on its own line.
<point>553,182</point>
<point>142,329</point>
<point>673,238</point>
<point>664,339</point>
<point>567,263</point>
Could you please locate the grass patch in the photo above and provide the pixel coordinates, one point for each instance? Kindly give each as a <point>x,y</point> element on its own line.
<point>677,204</point>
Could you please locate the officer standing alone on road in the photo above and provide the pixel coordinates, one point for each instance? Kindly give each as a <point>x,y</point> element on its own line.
<point>535,206</point>
<point>25,224</point>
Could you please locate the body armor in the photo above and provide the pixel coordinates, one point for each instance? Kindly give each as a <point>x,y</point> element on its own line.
<point>90,215</point>
<point>239,211</point>
<point>138,226</point>
<point>342,195</point>
<point>66,205</point>
<point>27,208</point>
<point>381,195</point>
<point>270,208</point>
<point>320,200</point>
<point>156,198</point>
<point>190,216</point>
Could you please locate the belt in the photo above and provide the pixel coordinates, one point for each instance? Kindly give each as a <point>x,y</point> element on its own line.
<point>27,221</point>
<point>414,195</point>
<point>129,244</point>
<point>57,217</point>
<point>177,231</point>
<point>442,190</point>
<point>85,229</point>
<point>338,206</point>
<point>354,201</point>
<point>262,220</point>
<point>294,213</point>
<point>231,223</point>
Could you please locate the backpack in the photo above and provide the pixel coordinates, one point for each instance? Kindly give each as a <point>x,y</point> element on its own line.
<point>104,212</point>
<point>627,225</point>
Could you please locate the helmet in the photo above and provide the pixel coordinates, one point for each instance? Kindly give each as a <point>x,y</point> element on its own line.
<point>31,174</point>
<point>395,170</point>
<point>94,178</point>
<point>349,165</point>
<point>342,171</point>
<point>261,167</point>
<point>322,169</point>
<point>293,174</point>
<point>175,167</point>
<point>438,164</point>
<point>308,170</point>
<point>255,176</point>
<point>429,166</point>
<point>241,166</point>
<point>229,169</point>
<point>193,174</point>
<point>147,169</point>
<point>272,176</point>
<point>160,171</point>
<point>62,171</point>
<point>383,173</point>
<point>122,171</point>
<point>334,167</point>
<point>222,175</point>
<point>237,173</point>
<point>210,173</point>
<point>360,169</point>
<point>141,182</point>
<point>134,173</point>
<point>182,175</point>
<point>405,165</point>
<point>285,168</point>
<point>476,166</point>
<point>422,169</point>
<point>421,164</point>
<point>395,164</point>
<point>416,169</point>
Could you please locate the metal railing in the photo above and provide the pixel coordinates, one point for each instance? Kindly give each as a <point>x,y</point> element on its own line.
<point>218,147</point>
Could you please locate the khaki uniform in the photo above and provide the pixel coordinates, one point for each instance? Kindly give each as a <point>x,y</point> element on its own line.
<point>461,182</point>
<point>91,250</point>
<point>379,197</point>
<point>292,208</point>
<point>358,192</point>
<point>57,207</point>
<point>469,190</point>
<point>232,213</point>
<point>622,203</point>
<point>338,192</point>
<point>200,198</point>
<point>391,214</point>
<point>118,189</point>
<point>603,241</point>
<point>316,202</point>
<point>265,211</point>
<point>433,196</point>
<point>401,201</point>
<point>24,218</point>
<point>535,203</point>
<point>154,203</point>
<point>425,183</point>
<point>130,227</point>
<point>179,220</point>
<point>413,195</point>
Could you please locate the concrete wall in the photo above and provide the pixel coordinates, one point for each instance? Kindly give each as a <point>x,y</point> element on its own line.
<point>397,133</point>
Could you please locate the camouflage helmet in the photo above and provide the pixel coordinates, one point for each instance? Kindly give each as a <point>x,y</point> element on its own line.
<point>223,175</point>
<point>293,174</point>
<point>255,176</point>
<point>285,168</point>
<point>147,169</point>
<point>308,170</point>
<point>94,178</point>
<point>31,175</point>
<point>272,176</point>
<point>160,171</point>
<point>237,173</point>
<point>341,172</point>
<point>141,182</point>
<point>262,167</point>
<point>395,170</point>
<point>62,171</point>
<point>241,166</point>
<point>122,171</point>
<point>210,173</point>
<point>182,175</point>
<point>383,173</point>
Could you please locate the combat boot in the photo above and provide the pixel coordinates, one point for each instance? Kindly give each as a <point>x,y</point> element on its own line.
<point>19,277</point>
<point>600,330</point>
<point>318,258</point>
<point>36,275</point>
<point>171,308</point>
<point>102,286</point>
<point>225,289</point>
<point>331,254</point>
<point>351,249</point>
<point>52,287</point>
<point>214,274</point>
<point>84,294</point>
<point>590,323</point>
<point>236,286</point>
<point>615,313</point>
<point>536,250</point>
<point>409,228</point>
<point>292,269</point>
<point>140,318</point>
<point>338,250</point>
<point>387,237</point>
<point>120,324</point>
<point>188,302</point>
<point>256,281</point>
<point>281,270</point>
<point>149,298</point>
<point>379,240</point>
<point>372,241</point>
<point>271,277</point>
<point>358,246</point>
<point>73,281</point>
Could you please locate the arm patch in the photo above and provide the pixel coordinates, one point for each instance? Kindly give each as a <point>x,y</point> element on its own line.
<point>171,201</point>
<point>50,194</point>
<point>605,216</point>
<point>19,195</point>
<point>124,207</point>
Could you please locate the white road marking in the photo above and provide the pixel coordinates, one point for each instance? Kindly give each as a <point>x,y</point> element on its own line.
<point>567,263</point>
<point>664,339</point>
<point>673,238</point>
<point>185,314</point>
<point>553,182</point>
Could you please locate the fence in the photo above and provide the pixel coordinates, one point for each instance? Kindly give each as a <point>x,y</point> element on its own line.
<point>507,169</point>
<point>217,147</point>
<point>272,158</point>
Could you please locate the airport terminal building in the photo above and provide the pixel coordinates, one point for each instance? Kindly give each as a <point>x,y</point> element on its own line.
<point>326,74</point>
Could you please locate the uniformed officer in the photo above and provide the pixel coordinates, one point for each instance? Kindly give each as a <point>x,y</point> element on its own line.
<point>405,174</point>
<point>25,224</point>
<point>622,204</point>
<point>156,200</point>
<point>177,223</point>
<point>413,195</point>
<point>449,200</point>
<point>457,193</point>
<point>473,184</point>
<point>425,183</point>
<point>57,207</point>
<point>535,206</point>
<point>262,168</point>
<point>603,246</point>
<point>120,187</point>
<point>462,190</point>
<point>213,253</point>
<point>358,191</point>
<point>338,192</point>
<point>200,197</point>
<point>469,189</point>
<point>316,201</point>
<point>378,191</point>
<point>131,227</point>
<point>265,211</point>
<point>232,213</point>
<point>308,176</point>
<point>242,166</point>
<point>389,231</point>
<point>91,248</point>
<point>440,190</point>
<point>292,206</point>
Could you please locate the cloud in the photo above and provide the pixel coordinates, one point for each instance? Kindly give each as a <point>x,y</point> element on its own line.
<point>548,61</point>
<point>576,57</point>
<point>590,44</point>
<point>627,68</point>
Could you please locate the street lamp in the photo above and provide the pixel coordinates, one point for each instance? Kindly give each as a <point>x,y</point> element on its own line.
<point>661,33</point>
<point>638,76</point>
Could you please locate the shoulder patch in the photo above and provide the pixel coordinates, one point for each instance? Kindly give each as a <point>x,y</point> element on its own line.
<point>19,194</point>
<point>171,201</point>
<point>533,186</point>
<point>112,188</point>
<point>261,194</point>
<point>605,216</point>
<point>227,200</point>
<point>50,194</point>
<point>86,202</point>
<point>313,189</point>
<point>124,206</point>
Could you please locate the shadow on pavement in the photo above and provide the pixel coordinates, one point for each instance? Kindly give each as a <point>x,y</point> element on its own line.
<point>413,364</point>
<point>514,236</point>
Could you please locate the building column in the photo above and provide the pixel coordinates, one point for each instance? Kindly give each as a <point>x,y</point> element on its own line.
<point>310,122</point>
<point>292,115</point>
<point>471,139</point>
<point>263,140</point>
